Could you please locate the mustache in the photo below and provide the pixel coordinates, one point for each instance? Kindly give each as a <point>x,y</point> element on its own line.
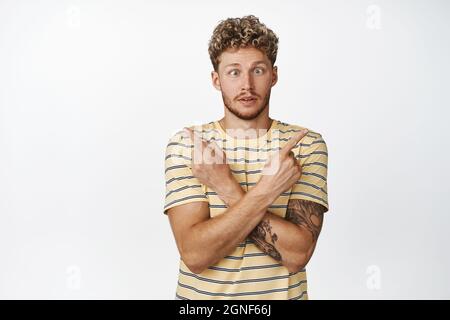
<point>247,94</point>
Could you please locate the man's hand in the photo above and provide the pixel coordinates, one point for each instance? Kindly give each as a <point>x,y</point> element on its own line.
<point>281,170</point>
<point>210,167</point>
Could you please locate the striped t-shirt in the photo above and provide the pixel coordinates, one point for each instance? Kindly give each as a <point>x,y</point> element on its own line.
<point>248,272</point>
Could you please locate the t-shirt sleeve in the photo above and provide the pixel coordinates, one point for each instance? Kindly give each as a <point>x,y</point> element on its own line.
<point>313,157</point>
<point>181,186</point>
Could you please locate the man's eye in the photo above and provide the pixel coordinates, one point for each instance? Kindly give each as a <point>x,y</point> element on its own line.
<point>259,70</point>
<point>234,72</point>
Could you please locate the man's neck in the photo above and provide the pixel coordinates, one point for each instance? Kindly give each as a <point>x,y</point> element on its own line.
<point>239,128</point>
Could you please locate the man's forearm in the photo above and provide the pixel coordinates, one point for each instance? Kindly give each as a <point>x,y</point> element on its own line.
<point>215,238</point>
<point>283,240</point>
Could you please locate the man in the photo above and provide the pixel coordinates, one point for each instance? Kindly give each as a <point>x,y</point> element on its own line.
<point>245,195</point>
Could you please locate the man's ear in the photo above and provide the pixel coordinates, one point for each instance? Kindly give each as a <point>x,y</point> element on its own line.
<point>274,75</point>
<point>215,80</point>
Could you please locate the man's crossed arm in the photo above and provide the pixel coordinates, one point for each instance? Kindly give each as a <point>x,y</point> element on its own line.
<point>202,240</point>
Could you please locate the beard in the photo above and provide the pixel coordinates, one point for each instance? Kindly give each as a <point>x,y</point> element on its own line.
<point>246,116</point>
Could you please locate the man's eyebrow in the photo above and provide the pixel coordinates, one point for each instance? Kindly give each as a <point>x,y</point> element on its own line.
<point>254,63</point>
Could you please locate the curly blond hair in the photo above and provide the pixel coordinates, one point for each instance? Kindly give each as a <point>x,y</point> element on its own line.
<point>243,32</point>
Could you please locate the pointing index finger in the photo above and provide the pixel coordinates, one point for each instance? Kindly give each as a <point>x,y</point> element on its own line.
<point>197,142</point>
<point>293,141</point>
<point>195,137</point>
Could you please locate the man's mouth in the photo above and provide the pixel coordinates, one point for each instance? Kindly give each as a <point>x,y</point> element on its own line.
<point>247,100</point>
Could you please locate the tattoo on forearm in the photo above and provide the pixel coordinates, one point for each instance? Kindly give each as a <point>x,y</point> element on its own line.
<point>258,235</point>
<point>307,214</point>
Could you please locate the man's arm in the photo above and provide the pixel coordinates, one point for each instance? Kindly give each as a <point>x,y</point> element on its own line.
<point>202,240</point>
<point>290,240</point>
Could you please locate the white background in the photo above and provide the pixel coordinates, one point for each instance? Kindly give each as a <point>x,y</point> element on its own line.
<point>90,92</point>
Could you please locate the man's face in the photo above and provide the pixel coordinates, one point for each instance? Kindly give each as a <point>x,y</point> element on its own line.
<point>245,73</point>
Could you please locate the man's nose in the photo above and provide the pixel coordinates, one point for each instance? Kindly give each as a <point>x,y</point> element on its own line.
<point>247,83</point>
